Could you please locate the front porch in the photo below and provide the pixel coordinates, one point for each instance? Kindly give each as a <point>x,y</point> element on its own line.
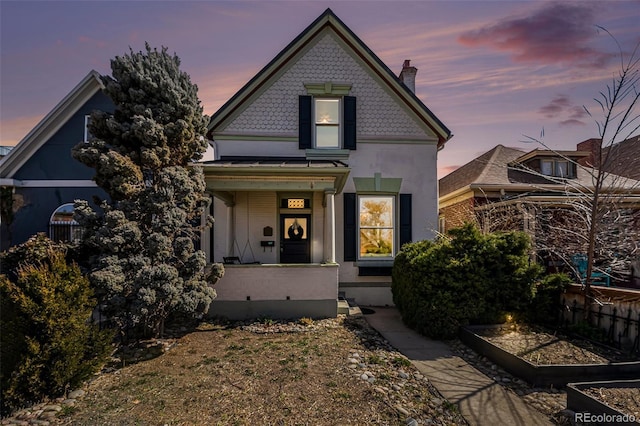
<point>277,291</point>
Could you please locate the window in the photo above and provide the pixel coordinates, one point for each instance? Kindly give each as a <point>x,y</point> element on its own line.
<point>557,168</point>
<point>368,239</point>
<point>62,227</point>
<point>87,134</point>
<point>376,225</point>
<point>327,123</point>
<point>562,169</point>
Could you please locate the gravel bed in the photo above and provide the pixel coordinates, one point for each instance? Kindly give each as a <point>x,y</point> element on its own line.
<point>625,400</point>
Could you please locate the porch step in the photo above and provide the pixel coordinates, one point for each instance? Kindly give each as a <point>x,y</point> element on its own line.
<point>343,307</point>
<point>348,307</point>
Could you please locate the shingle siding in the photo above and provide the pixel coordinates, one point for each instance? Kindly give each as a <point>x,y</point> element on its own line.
<point>275,110</point>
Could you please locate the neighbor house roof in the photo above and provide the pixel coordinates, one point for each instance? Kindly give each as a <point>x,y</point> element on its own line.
<point>329,20</point>
<point>489,168</point>
<point>502,168</point>
<point>50,124</point>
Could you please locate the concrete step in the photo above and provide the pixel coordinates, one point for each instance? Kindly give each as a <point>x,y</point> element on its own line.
<point>343,307</point>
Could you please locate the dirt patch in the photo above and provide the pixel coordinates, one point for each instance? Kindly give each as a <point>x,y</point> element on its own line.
<point>541,347</point>
<point>323,373</point>
<point>625,400</point>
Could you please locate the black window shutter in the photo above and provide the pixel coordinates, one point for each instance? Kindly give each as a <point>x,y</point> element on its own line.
<point>304,122</point>
<point>350,226</point>
<point>349,128</point>
<point>405,219</point>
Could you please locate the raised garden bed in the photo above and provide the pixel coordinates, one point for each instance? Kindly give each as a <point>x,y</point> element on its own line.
<point>605,403</point>
<point>543,359</point>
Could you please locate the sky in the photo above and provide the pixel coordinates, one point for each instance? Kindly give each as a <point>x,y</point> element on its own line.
<point>494,72</point>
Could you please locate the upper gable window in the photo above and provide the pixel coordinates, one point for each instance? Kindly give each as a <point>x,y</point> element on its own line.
<point>327,122</point>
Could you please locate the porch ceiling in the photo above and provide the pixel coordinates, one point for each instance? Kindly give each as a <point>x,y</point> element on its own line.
<point>285,174</point>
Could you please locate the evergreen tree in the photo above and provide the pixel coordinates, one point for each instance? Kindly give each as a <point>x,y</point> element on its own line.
<point>144,264</point>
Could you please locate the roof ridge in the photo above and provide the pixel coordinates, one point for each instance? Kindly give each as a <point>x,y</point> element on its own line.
<point>491,161</point>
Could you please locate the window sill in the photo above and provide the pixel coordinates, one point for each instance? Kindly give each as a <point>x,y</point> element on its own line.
<point>375,262</point>
<point>374,268</point>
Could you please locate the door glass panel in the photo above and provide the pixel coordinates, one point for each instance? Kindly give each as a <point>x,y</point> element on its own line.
<point>295,228</point>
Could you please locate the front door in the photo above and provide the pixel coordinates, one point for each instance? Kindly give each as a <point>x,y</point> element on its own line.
<point>295,241</point>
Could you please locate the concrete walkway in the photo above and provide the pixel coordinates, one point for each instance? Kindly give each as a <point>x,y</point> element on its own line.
<point>480,400</point>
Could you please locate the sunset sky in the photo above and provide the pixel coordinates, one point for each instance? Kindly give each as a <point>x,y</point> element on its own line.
<point>492,71</point>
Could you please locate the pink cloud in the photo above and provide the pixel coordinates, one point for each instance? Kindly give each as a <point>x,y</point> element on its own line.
<point>572,122</point>
<point>443,171</point>
<point>555,33</point>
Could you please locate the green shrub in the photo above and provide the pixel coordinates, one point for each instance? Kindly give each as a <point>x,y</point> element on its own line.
<point>545,306</point>
<point>49,344</point>
<point>466,278</point>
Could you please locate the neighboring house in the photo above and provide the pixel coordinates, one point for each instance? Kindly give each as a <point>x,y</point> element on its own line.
<point>40,180</point>
<point>622,158</point>
<point>537,192</point>
<point>324,165</point>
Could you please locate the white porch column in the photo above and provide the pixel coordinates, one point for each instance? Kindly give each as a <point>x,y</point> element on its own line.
<point>231,234</point>
<point>330,226</point>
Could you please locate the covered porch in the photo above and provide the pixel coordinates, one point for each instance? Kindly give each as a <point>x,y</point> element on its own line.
<point>275,225</point>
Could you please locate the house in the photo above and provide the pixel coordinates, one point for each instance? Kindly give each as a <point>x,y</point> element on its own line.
<point>40,180</point>
<point>622,158</point>
<point>546,194</point>
<point>324,165</point>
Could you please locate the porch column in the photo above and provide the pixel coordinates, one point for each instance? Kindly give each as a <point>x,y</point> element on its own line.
<point>330,226</point>
<point>231,233</point>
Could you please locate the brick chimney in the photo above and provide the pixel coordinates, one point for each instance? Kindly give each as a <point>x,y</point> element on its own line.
<point>593,147</point>
<point>408,75</point>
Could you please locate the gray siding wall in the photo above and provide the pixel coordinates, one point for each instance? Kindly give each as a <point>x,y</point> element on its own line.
<point>35,207</point>
<point>53,160</point>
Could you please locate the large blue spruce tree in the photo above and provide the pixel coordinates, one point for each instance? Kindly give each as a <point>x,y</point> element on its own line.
<point>144,264</point>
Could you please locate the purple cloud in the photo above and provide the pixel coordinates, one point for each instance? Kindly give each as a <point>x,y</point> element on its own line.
<point>561,107</point>
<point>556,33</point>
<point>557,105</point>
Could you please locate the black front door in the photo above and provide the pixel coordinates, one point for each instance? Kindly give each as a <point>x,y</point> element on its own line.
<point>295,241</point>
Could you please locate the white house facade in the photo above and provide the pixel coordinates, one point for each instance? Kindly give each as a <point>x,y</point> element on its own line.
<point>325,164</point>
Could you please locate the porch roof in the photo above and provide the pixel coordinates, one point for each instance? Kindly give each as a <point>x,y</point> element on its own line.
<point>274,174</point>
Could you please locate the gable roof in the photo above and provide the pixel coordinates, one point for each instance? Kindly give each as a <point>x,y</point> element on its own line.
<point>50,124</point>
<point>329,20</point>
<point>489,168</point>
